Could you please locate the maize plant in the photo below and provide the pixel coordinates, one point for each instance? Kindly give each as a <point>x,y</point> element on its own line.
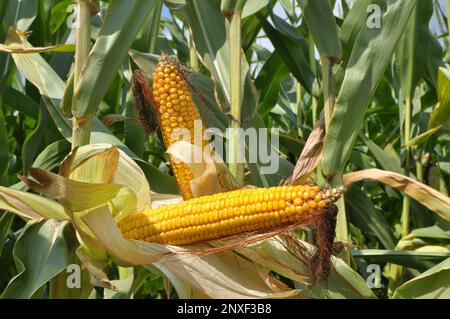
<point>225,149</point>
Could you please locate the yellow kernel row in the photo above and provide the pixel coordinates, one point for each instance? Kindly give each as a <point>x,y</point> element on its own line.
<point>226,214</point>
<point>176,110</point>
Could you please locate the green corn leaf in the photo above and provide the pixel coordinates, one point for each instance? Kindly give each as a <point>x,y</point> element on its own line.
<point>364,214</point>
<point>116,36</point>
<point>432,284</point>
<point>20,102</point>
<point>441,113</point>
<point>322,25</point>
<point>413,47</point>
<point>21,13</point>
<point>413,259</point>
<point>292,47</point>
<point>40,253</point>
<point>371,54</point>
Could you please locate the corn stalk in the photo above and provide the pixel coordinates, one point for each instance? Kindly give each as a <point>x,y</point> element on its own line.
<point>407,137</point>
<point>312,63</point>
<point>328,90</point>
<point>233,10</point>
<point>298,93</point>
<point>193,58</point>
<point>81,127</point>
<point>448,16</point>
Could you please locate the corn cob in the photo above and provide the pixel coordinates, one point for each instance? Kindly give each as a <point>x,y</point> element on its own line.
<point>176,109</point>
<point>227,214</point>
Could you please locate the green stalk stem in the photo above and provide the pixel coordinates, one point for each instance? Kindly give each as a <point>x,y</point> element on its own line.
<point>419,170</point>
<point>419,166</point>
<point>405,216</point>
<point>236,166</point>
<point>312,64</point>
<point>3,135</point>
<point>341,222</point>
<point>328,90</point>
<point>448,17</point>
<point>329,102</point>
<point>193,58</point>
<point>3,132</point>
<point>406,204</point>
<point>298,90</point>
<point>81,127</point>
<point>81,132</point>
<point>443,185</point>
<point>342,234</point>
<point>314,109</point>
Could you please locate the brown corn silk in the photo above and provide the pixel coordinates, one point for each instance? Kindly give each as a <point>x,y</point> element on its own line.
<point>144,102</point>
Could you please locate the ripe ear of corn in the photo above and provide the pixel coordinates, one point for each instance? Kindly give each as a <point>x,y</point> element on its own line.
<point>176,109</point>
<point>227,214</point>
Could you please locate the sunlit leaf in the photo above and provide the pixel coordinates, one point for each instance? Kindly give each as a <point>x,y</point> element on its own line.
<point>30,206</point>
<point>433,283</point>
<point>14,45</point>
<point>414,259</point>
<point>321,22</point>
<point>115,38</point>
<point>441,113</point>
<point>40,253</point>
<point>371,54</point>
<point>424,194</point>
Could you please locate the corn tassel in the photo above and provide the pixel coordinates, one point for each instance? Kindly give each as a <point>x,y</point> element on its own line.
<point>226,214</point>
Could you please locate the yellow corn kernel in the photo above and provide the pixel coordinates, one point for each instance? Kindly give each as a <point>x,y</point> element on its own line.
<point>176,110</point>
<point>213,217</point>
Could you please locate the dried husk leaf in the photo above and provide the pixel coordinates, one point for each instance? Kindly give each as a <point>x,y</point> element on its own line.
<point>277,254</point>
<point>14,44</point>
<point>226,179</point>
<point>226,275</point>
<point>99,167</point>
<point>98,277</point>
<point>202,164</point>
<point>165,199</point>
<point>311,154</point>
<point>30,206</point>
<point>74,196</point>
<point>126,252</point>
<point>80,197</point>
<point>273,254</point>
<point>422,193</point>
<point>219,275</point>
<point>112,162</point>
